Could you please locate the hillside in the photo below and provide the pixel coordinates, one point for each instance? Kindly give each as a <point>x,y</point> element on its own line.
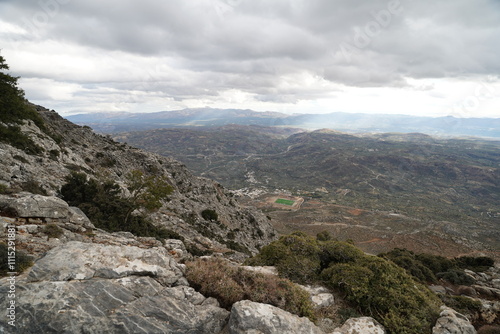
<point>451,186</point>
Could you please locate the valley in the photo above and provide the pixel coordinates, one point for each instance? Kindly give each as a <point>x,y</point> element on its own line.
<point>380,190</point>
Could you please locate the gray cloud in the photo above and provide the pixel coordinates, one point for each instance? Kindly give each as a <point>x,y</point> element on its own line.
<point>202,48</point>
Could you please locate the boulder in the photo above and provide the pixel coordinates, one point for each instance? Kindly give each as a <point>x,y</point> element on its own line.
<point>256,318</point>
<point>452,322</point>
<point>80,261</point>
<point>365,325</point>
<point>38,206</point>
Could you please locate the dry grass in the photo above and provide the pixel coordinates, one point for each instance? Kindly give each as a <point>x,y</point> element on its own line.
<point>228,284</point>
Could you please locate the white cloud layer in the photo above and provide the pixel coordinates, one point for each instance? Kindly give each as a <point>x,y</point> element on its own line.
<point>429,57</point>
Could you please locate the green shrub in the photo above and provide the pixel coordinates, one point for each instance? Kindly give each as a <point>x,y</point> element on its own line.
<point>54,154</point>
<point>386,292</point>
<point>412,264</point>
<point>481,263</point>
<point>52,231</point>
<point>323,236</point>
<point>13,135</point>
<point>296,257</point>
<point>209,215</point>
<point>103,204</point>
<point>3,189</point>
<point>23,261</point>
<point>457,277</point>
<point>219,279</point>
<point>462,304</point>
<point>33,187</point>
<point>376,286</point>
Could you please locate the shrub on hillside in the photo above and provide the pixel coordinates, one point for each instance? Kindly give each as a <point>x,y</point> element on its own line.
<point>411,263</point>
<point>228,284</point>
<point>296,257</point>
<point>52,231</point>
<point>378,287</point>
<point>107,209</point>
<point>209,215</point>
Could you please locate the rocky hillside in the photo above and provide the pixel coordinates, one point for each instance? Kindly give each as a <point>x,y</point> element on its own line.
<point>65,148</point>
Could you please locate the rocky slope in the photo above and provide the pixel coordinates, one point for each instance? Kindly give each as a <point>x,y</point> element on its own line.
<point>73,148</point>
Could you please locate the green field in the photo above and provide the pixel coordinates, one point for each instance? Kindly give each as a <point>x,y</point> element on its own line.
<point>284,201</point>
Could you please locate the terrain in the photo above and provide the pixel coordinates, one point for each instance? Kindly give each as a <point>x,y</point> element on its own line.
<point>346,122</point>
<point>101,237</point>
<point>381,190</point>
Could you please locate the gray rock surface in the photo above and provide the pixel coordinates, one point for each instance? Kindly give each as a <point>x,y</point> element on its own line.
<point>255,318</point>
<point>37,206</point>
<point>81,261</point>
<point>92,288</point>
<point>364,325</point>
<point>452,322</point>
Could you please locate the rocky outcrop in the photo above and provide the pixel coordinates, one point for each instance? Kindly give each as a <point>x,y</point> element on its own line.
<point>82,261</point>
<point>452,322</point>
<point>92,288</point>
<point>250,317</point>
<point>365,325</point>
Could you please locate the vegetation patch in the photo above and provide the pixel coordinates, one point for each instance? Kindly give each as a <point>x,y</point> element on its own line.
<point>107,209</point>
<point>228,283</point>
<point>429,268</point>
<point>23,261</point>
<point>52,231</point>
<point>284,201</point>
<point>375,286</point>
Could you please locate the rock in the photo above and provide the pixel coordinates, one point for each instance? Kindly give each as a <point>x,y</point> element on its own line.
<point>438,289</point>
<point>487,291</point>
<point>39,206</point>
<point>466,291</point>
<point>81,261</point>
<point>131,304</point>
<point>365,325</point>
<point>266,270</point>
<point>320,296</point>
<point>77,217</point>
<point>250,317</point>
<point>452,322</point>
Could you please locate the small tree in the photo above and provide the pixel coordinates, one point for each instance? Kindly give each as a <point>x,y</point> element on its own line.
<point>13,110</point>
<point>146,191</point>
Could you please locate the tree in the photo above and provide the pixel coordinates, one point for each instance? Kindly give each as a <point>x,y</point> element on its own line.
<point>146,191</point>
<point>14,110</point>
<point>13,107</point>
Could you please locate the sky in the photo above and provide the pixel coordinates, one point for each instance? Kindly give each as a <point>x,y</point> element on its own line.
<point>428,57</point>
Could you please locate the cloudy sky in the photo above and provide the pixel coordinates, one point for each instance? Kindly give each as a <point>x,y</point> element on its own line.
<point>428,57</point>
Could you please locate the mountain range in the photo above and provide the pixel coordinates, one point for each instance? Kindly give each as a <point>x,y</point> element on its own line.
<point>346,122</point>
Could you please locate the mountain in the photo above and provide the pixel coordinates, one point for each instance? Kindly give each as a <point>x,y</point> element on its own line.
<point>408,183</point>
<point>347,122</point>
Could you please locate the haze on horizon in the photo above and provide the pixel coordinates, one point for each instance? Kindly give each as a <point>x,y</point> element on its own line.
<point>426,58</point>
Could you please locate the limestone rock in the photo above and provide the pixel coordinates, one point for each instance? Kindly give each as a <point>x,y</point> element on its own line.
<point>38,206</point>
<point>452,322</point>
<point>131,304</point>
<point>80,261</point>
<point>365,325</point>
<point>256,318</point>
<point>320,296</point>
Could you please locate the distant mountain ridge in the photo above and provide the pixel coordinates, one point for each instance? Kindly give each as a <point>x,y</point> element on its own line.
<point>342,121</point>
